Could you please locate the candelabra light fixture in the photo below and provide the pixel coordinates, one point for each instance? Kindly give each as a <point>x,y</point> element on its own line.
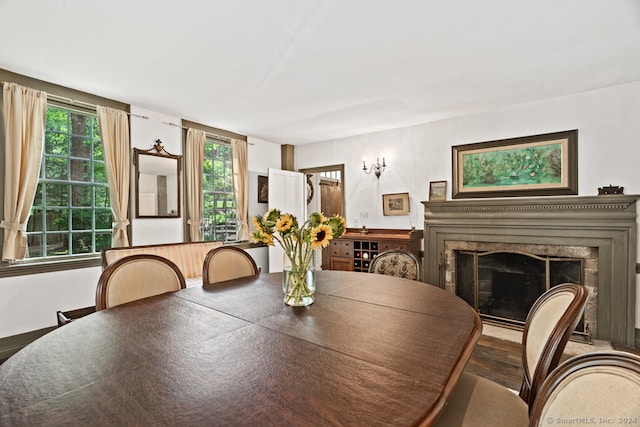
<point>376,167</point>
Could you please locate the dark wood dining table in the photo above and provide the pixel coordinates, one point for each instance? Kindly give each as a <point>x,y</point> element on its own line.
<point>372,350</point>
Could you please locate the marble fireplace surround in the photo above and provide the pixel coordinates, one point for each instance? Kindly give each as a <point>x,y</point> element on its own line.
<point>606,223</point>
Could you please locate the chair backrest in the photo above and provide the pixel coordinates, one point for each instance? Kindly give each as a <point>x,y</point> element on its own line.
<point>597,388</point>
<point>396,262</point>
<point>547,330</point>
<point>227,263</point>
<point>135,277</point>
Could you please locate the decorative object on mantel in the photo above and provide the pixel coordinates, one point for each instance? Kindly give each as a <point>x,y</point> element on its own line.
<point>377,168</point>
<point>437,191</point>
<point>395,204</point>
<point>611,189</point>
<point>299,243</point>
<point>539,165</point>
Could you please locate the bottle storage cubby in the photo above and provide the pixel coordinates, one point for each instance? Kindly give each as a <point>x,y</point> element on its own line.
<point>363,253</point>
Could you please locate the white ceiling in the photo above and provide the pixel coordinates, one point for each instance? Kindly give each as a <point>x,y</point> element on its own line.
<point>299,71</point>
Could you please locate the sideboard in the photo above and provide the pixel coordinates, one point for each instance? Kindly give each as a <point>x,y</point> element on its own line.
<point>354,250</point>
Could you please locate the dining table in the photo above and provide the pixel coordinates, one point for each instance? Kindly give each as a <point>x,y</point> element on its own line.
<point>372,350</point>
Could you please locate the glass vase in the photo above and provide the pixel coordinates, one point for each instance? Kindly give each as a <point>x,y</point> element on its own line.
<point>298,282</point>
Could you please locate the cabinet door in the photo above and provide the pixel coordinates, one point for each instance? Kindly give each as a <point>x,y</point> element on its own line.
<point>342,264</point>
<point>342,248</point>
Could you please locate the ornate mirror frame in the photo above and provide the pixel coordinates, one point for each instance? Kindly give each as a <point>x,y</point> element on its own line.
<point>157,182</point>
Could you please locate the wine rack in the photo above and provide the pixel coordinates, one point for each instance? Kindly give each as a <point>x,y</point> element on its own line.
<point>354,251</point>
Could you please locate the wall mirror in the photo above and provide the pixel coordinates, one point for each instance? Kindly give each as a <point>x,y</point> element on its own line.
<point>157,182</point>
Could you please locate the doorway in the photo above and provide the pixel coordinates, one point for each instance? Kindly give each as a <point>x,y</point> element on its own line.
<point>325,194</point>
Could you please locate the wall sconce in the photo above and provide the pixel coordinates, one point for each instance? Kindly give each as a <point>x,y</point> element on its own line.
<point>376,168</point>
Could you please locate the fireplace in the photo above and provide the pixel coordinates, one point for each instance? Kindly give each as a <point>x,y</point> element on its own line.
<point>503,280</point>
<point>588,240</point>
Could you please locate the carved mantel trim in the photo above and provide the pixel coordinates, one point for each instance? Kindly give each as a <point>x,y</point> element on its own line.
<point>607,223</point>
<point>592,203</point>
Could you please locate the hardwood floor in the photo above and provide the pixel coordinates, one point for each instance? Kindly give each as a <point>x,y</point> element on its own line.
<point>501,360</point>
<point>498,360</point>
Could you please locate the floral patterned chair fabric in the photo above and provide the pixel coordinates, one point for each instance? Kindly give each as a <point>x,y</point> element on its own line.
<point>398,263</point>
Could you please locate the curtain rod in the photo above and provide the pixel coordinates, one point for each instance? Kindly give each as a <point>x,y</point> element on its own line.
<point>87,104</point>
<point>211,135</point>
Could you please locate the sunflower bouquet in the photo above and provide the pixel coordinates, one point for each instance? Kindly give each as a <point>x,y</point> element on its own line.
<point>298,242</point>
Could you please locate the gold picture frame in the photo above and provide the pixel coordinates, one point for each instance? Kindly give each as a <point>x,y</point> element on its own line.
<point>539,165</point>
<point>395,204</point>
<point>437,191</point>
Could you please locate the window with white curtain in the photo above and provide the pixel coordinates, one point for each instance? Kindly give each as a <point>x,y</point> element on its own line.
<point>219,218</point>
<point>71,214</point>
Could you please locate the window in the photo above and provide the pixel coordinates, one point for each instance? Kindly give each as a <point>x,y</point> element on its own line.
<point>219,221</point>
<point>71,212</point>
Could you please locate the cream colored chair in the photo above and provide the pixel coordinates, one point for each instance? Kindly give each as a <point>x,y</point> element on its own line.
<point>478,402</point>
<point>591,389</point>
<point>135,277</point>
<point>396,262</point>
<point>227,263</point>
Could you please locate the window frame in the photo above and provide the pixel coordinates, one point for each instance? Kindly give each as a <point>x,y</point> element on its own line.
<point>44,181</point>
<point>79,100</point>
<point>219,141</point>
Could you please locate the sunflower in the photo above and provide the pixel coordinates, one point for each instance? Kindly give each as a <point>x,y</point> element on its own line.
<point>320,236</point>
<point>298,242</point>
<point>257,223</point>
<point>286,223</point>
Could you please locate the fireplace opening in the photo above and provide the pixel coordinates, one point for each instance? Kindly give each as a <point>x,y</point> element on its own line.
<point>503,286</point>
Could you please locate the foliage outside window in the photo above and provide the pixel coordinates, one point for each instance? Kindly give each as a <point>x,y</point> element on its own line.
<point>219,218</point>
<point>71,214</point>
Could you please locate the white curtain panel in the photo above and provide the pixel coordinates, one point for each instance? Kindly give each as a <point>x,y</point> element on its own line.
<point>194,159</point>
<point>240,169</point>
<point>114,132</point>
<point>24,120</point>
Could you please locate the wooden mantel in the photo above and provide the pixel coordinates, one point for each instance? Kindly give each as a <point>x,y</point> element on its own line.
<point>608,223</point>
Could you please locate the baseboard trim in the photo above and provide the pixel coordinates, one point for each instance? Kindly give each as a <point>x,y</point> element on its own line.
<point>11,345</point>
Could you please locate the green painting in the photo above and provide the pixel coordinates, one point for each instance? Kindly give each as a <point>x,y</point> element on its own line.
<point>537,165</point>
<point>530,165</point>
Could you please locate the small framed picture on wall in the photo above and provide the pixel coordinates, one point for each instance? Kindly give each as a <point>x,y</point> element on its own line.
<point>395,204</point>
<point>263,189</point>
<point>437,191</point>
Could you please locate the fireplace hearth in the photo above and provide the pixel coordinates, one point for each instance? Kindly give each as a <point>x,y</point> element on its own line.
<point>597,234</point>
<point>502,282</point>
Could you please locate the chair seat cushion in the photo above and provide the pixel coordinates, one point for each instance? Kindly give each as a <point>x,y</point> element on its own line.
<point>479,402</point>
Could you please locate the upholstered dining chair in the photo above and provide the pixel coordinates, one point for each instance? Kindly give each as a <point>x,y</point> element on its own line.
<point>601,387</point>
<point>135,277</point>
<point>478,402</point>
<point>227,263</point>
<point>396,262</point>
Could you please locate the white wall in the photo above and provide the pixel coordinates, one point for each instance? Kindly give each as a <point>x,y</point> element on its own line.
<point>608,123</point>
<point>30,303</point>
<point>144,132</point>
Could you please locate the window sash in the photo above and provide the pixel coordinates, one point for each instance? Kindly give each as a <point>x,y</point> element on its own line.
<point>71,215</point>
<point>219,218</point>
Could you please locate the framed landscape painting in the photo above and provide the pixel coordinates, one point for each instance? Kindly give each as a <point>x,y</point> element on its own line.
<point>540,165</point>
<point>437,191</point>
<point>395,204</point>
